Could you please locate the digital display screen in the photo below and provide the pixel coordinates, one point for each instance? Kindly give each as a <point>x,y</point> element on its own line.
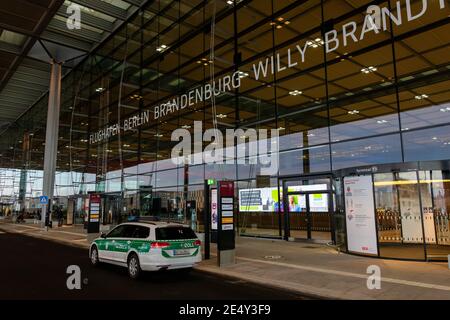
<point>259,200</point>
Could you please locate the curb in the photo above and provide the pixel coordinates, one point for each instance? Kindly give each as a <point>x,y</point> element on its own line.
<point>267,283</point>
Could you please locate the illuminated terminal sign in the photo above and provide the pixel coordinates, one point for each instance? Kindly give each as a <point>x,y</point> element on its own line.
<point>377,19</point>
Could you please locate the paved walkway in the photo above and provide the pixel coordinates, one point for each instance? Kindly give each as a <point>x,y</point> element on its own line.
<point>307,268</point>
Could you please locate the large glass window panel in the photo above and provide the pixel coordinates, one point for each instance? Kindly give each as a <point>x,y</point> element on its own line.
<point>398,215</point>
<point>427,144</point>
<point>435,208</point>
<point>385,149</point>
<point>305,161</point>
<point>260,212</point>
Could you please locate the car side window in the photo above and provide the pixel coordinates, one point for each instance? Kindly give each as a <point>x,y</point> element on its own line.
<point>141,232</point>
<point>116,232</point>
<point>128,231</point>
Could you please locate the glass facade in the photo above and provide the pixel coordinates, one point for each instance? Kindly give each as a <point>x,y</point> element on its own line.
<point>342,90</point>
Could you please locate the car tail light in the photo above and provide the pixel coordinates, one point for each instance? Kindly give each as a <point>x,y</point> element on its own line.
<point>160,245</point>
<point>197,243</point>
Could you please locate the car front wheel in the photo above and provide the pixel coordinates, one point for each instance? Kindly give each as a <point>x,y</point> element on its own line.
<point>134,268</point>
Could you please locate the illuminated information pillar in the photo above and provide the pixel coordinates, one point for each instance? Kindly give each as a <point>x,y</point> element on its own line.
<point>225,232</point>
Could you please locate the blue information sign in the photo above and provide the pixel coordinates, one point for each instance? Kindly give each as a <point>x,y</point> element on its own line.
<point>43,200</point>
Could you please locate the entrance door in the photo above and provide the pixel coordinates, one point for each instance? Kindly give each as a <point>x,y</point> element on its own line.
<point>112,212</point>
<point>309,209</point>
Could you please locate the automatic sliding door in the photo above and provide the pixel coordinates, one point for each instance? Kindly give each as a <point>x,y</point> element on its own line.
<point>309,208</point>
<point>298,216</point>
<point>320,216</point>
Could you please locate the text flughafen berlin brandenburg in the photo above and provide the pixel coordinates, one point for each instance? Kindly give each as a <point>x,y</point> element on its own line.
<point>376,20</point>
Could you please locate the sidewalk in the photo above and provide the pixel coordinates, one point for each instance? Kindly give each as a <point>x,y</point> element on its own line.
<point>307,268</point>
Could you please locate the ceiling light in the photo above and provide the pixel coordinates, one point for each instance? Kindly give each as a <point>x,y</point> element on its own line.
<point>99,89</point>
<point>221,116</point>
<point>136,97</point>
<point>186,126</point>
<point>353,112</point>
<point>233,2</point>
<point>204,61</point>
<point>369,69</point>
<point>126,146</point>
<point>316,43</point>
<point>281,128</point>
<point>242,74</point>
<point>280,22</point>
<point>421,97</point>
<point>162,48</point>
<point>295,93</point>
<point>158,135</point>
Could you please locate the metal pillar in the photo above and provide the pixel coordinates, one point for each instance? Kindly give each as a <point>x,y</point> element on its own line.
<point>51,137</point>
<point>23,171</point>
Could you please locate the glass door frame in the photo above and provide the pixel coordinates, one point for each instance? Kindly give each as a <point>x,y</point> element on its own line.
<point>331,207</point>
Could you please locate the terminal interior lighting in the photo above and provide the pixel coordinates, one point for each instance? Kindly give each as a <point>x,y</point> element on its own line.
<point>280,23</point>
<point>421,97</point>
<point>316,43</point>
<point>369,69</point>
<point>295,93</point>
<point>162,48</point>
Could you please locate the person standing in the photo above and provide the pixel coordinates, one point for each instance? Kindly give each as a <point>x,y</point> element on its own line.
<point>59,215</point>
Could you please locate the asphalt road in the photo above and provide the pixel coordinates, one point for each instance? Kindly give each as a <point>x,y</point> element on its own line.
<point>32,268</point>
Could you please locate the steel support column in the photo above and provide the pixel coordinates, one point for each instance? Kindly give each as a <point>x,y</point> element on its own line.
<point>51,137</point>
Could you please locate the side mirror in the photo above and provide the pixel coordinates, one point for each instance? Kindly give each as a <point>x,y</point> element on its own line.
<point>103,235</point>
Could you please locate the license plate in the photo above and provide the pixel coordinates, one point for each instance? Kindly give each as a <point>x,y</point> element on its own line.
<point>181,252</point>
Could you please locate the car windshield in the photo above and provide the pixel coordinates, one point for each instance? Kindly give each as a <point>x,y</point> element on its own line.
<point>175,233</point>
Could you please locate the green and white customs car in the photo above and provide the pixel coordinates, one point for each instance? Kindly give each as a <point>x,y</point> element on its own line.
<point>147,246</point>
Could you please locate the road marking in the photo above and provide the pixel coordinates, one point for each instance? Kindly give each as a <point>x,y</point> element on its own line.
<point>350,274</point>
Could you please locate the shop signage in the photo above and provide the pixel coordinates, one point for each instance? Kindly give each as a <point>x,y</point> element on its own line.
<point>360,215</point>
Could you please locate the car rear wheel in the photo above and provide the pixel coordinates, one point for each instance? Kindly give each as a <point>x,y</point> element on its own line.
<point>94,256</point>
<point>134,268</point>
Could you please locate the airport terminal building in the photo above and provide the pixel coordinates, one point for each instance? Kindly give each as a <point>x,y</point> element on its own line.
<point>354,97</point>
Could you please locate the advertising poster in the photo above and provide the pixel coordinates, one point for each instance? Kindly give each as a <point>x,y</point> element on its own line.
<point>258,200</point>
<point>360,215</point>
<point>297,203</point>
<point>318,202</point>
